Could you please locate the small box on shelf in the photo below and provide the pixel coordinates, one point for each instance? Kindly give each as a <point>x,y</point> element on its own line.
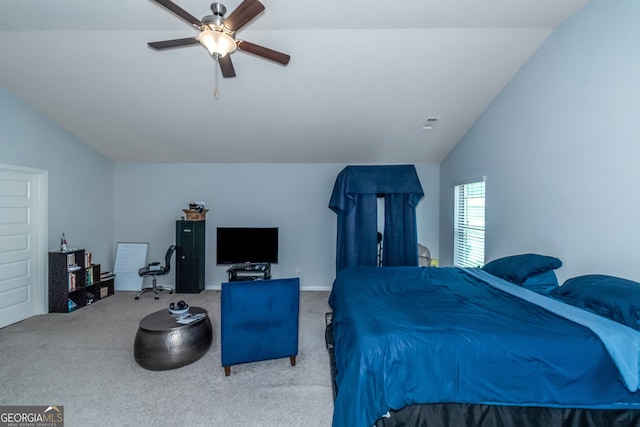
<point>195,215</point>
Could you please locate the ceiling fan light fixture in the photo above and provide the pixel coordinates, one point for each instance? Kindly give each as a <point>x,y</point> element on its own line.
<point>217,43</point>
<point>218,34</point>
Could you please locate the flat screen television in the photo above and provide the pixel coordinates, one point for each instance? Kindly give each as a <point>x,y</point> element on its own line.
<point>237,245</point>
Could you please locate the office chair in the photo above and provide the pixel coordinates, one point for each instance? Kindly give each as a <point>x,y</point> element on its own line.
<point>155,272</point>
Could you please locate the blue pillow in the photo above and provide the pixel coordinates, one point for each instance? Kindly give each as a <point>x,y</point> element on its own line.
<point>518,268</point>
<point>546,278</point>
<point>541,282</point>
<point>611,297</point>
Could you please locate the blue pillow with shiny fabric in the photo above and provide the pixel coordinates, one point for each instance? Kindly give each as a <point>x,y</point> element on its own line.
<point>609,296</point>
<point>541,282</point>
<point>518,268</point>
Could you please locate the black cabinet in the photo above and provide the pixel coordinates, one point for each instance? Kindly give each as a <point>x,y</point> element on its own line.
<point>190,256</point>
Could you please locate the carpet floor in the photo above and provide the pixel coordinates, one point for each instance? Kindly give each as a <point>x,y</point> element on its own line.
<point>84,362</point>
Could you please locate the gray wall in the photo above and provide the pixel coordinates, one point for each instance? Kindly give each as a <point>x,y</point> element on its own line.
<point>80,193</point>
<point>98,203</point>
<point>294,197</point>
<point>560,147</point>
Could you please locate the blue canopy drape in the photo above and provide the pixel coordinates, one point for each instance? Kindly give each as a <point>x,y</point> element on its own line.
<point>354,201</point>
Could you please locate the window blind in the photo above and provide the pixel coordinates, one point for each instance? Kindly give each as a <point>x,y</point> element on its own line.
<point>468,224</point>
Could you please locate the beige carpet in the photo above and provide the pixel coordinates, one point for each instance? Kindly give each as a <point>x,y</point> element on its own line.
<point>84,362</point>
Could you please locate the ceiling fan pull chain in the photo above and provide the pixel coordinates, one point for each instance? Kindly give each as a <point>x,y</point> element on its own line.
<point>215,83</point>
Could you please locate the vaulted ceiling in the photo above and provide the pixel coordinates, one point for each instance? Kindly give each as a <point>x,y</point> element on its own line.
<point>364,77</point>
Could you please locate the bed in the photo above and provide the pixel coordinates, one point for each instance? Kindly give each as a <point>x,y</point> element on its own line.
<point>450,346</point>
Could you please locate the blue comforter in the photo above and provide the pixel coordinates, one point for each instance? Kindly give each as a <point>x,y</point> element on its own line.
<point>408,335</point>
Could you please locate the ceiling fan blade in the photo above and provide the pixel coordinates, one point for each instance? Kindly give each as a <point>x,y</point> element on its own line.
<point>245,12</point>
<point>180,12</point>
<point>264,52</point>
<point>226,66</point>
<point>174,43</point>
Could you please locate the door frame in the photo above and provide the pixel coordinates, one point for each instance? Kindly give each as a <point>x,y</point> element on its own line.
<point>40,234</point>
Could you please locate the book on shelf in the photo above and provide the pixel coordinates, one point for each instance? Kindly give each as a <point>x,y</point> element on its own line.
<point>72,282</point>
<point>106,275</point>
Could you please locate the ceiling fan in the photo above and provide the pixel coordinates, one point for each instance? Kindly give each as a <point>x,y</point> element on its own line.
<point>217,33</point>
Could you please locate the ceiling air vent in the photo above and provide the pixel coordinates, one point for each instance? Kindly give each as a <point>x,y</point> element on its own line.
<point>430,123</point>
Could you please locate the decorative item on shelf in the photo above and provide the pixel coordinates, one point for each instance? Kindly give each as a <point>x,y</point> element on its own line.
<point>71,259</point>
<point>63,243</point>
<point>197,206</point>
<point>196,211</point>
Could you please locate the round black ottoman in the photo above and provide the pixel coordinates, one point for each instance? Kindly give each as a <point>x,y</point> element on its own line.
<point>162,343</point>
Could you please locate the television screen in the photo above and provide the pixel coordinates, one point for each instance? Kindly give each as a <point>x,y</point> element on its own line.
<point>236,245</point>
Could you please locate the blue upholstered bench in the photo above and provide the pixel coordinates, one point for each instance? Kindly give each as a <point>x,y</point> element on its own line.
<point>259,321</point>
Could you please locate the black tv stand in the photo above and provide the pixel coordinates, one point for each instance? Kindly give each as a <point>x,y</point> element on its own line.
<point>249,271</point>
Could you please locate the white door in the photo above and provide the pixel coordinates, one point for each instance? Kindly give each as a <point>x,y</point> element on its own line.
<point>22,243</point>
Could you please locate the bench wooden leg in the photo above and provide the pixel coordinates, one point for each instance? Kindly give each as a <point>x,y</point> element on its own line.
<point>227,371</point>
<point>293,360</point>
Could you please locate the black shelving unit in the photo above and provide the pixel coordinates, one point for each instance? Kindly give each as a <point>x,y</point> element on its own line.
<point>190,256</point>
<point>72,283</point>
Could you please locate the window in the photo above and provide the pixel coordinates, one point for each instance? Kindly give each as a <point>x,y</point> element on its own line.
<point>468,225</point>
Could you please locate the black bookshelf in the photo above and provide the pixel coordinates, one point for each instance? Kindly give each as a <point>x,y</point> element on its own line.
<point>73,284</point>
